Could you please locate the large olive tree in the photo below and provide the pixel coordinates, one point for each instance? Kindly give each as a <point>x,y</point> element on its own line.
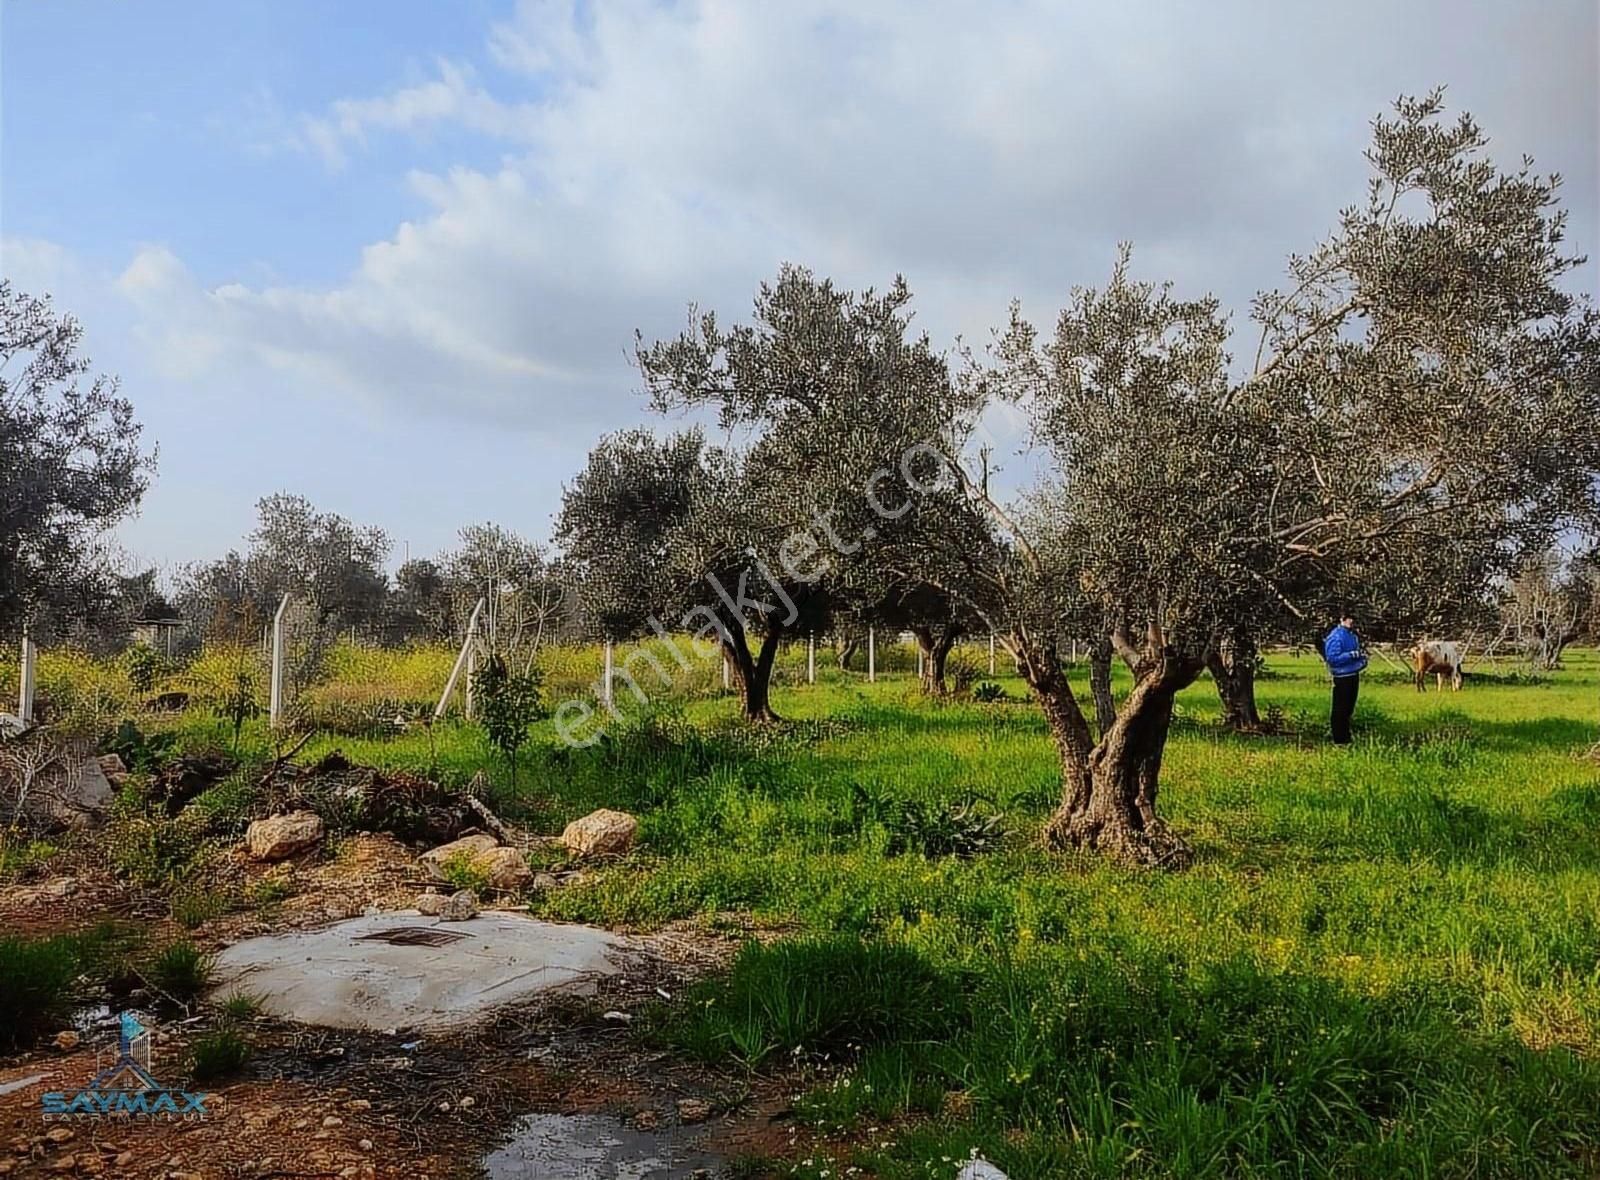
<point>1426,386</point>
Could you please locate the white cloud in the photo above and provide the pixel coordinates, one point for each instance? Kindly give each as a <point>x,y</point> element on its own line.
<point>451,98</point>
<point>658,154</point>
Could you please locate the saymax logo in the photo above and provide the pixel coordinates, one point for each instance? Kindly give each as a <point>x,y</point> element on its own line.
<point>126,1088</point>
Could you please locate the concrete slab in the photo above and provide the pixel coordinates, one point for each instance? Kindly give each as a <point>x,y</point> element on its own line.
<point>404,971</point>
<point>593,1147</point>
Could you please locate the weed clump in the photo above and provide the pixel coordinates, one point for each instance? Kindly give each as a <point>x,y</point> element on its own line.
<point>218,1053</point>
<point>181,970</point>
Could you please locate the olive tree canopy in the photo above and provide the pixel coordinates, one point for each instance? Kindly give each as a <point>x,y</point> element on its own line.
<point>1426,386</point>
<point>821,394</point>
<point>71,465</point>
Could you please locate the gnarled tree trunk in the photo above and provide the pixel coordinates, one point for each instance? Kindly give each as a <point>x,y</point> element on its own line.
<point>1109,787</point>
<point>935,653</point>
<point>1105,703</point>
<point>1232,663</point>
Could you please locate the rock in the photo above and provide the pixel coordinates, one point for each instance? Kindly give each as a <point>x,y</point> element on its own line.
<point>468,848</point>
<point>468,1102</point>
<point>364,1144</point>
<point>506,869</point>
<point>66,1040</point>
<point>59,1135</point>
<point>332,1120</point>
<point>111,765</point>
<point>454,907</point>
<point>281,836</point>
<point>600,833</point>
<point>501,868</point>
<point>65,1164</point>
<point>646,1120</point>
<point>358,1104</point>
<point>124,1160</point>
<point>544,882</point>
<point>694,1110</point>
<point>12,726</point>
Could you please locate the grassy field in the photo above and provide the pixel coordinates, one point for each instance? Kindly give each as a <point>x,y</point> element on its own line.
<point>1386,961</point>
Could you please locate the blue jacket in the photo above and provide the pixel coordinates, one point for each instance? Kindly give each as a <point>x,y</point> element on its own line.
<point>1342,651</point>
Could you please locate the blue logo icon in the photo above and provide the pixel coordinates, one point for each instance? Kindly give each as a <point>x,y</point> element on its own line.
<point>126,1088</point>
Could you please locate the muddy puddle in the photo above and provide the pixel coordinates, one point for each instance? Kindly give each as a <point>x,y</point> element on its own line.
<point>594,1147</point>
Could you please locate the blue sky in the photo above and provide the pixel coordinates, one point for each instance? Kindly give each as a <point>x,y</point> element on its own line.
<point>391,256</point>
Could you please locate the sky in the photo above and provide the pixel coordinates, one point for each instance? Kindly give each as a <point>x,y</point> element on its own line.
<point>392,255</point>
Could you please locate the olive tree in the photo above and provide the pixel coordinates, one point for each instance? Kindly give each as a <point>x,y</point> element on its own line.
<point>827,392</point>
<point>71,465</point>
<point>669,536</point>
<point>1426,385</point>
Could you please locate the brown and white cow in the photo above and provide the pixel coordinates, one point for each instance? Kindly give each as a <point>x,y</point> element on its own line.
<point>1442,657</point>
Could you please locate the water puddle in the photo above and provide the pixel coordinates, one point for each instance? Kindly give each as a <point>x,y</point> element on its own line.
<point>593,1147</point>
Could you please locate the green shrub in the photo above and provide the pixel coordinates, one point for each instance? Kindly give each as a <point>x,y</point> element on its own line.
<point>217,1054</point>
<point>462,872</point>
<point>21,856</point>
<point>957,828</point>
<point>962,672</point>
<point>508,704</point>
<point>181,970</point>
<point>265,891</point>
<point>36,976</point>
<point>155,851</point>
<point>988,692</point>
<point>137,749</point>
<point>195,905</point>
<point>143,666</point>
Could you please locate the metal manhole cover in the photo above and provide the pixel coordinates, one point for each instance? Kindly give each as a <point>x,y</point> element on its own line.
<point>413,936</point>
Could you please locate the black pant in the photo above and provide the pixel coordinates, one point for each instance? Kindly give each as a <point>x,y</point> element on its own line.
<point>1345,689</point>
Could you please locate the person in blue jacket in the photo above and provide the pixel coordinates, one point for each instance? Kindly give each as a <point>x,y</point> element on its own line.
<point>1342,652</point>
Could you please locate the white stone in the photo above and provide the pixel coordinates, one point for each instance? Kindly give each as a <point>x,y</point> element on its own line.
<point>448,907</point>
<point>280,836</point>
<point>600,833</point>
<point>468,848</point>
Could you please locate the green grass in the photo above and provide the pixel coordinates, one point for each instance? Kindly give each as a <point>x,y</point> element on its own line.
<point>181,970</point>
<point>217,1054</point>
<point>35,975</point>
<point>1385,961</point>
<point>237,1006</point>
